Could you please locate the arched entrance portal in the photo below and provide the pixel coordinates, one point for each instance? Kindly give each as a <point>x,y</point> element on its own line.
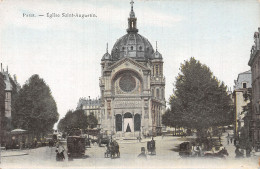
<point>128,122</point>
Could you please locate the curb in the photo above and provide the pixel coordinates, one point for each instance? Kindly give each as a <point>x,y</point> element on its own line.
<point>22,154</point>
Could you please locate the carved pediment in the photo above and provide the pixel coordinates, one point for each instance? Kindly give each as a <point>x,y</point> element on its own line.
<point>127,62</point>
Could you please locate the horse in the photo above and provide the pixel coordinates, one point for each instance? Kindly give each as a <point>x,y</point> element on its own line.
<point>114,149</point>
<point>220,154</point>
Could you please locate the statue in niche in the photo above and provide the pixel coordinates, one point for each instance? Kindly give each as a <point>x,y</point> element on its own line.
<point>128,128</point>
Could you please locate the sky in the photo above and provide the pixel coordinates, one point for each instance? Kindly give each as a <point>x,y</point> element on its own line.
<point>66,52</point>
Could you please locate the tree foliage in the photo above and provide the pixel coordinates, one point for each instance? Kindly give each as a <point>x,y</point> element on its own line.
<point>245,133</point>
<point>34,108</point>
<point>199,100</point>
<point>77,119</point>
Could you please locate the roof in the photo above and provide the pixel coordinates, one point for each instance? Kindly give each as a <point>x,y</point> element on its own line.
<point>157,55</point>
<point>7,79</point>
<point>88,102</point>
<point>246,72</point>
<point>132,45</point>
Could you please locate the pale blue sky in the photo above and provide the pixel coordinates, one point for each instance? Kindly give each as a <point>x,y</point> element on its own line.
<point>66,52</point>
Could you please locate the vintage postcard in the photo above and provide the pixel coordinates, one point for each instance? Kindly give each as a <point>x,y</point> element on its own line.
<point>130,84</point>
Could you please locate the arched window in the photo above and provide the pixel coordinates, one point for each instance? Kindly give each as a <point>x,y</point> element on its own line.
<point>137,122</point>
<point>140,48</point>
<point>132,48</point>
<point>128,115</point>
<point>157,70</point>
<point>118,122</point>
<point>162,94</point>
<point>157,93</point>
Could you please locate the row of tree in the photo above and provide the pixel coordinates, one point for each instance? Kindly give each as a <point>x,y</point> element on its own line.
<point>199,100</point>
<point>77,119</point>
<point>34,109</point>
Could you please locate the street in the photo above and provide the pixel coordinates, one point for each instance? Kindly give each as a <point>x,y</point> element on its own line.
<point>165,157</point>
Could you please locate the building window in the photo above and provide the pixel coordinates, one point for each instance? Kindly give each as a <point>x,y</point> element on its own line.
<point>132,48</point>
<point>140,48</point>
<point>244,85</point>
<point>152,93</point>
<point>118,122</point>
<point>157,69</point>
<point>157,93</point>
<point>137,122</point>
<point>162,94</point>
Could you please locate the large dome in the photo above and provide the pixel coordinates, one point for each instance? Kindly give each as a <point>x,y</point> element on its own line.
<point>132,45</point>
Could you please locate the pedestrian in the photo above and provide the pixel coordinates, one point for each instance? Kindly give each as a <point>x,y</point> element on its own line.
<point>231,140</point>
<point>35,142</point>
<point>60,152</point>
<point>142,154</point>
<point>227,141</point>
<point>253,151</point>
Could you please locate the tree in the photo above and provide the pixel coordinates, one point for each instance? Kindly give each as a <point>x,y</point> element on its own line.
<point>245,132</point>
<point>34,108</point>
<point>92,121</point>
<point>77,119</point>
<point>200,100</point>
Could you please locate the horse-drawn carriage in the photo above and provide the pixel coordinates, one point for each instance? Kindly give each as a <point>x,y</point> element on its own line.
<point>185,149</point>
<point>103,139</point>
<point>188,149</point>
<point>76,146</point>
<point>112,150</point>
<point>151,147</point>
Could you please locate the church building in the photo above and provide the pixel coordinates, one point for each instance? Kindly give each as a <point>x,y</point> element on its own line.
<point>132,86</point>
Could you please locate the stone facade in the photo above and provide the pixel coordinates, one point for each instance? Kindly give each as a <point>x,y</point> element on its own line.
<point>11,89</point>
<point>242,84</point>
<point>254,63</point>
<point>132,86</point>
<point>90,106</point>
<point>2,105</point>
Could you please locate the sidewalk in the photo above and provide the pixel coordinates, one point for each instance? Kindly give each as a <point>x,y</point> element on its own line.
<point>230,147</point>
<point>10,153</point>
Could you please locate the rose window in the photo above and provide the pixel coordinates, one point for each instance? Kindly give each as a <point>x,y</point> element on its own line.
<point>127,83</point>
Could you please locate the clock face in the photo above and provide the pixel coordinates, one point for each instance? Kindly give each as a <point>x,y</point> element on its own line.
<point>127,83</point>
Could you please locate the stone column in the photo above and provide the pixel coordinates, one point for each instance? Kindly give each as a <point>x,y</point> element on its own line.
<point>122,122</point>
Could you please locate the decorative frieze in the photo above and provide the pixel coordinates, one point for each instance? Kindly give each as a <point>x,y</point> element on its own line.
<point>127,104</point>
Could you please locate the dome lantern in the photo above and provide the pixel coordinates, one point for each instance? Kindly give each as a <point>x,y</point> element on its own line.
<point>106,56</point>
<point>132,20</point>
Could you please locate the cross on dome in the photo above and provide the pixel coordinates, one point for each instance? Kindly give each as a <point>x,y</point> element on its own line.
<point>132,3</point>
<point>132,14</point>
